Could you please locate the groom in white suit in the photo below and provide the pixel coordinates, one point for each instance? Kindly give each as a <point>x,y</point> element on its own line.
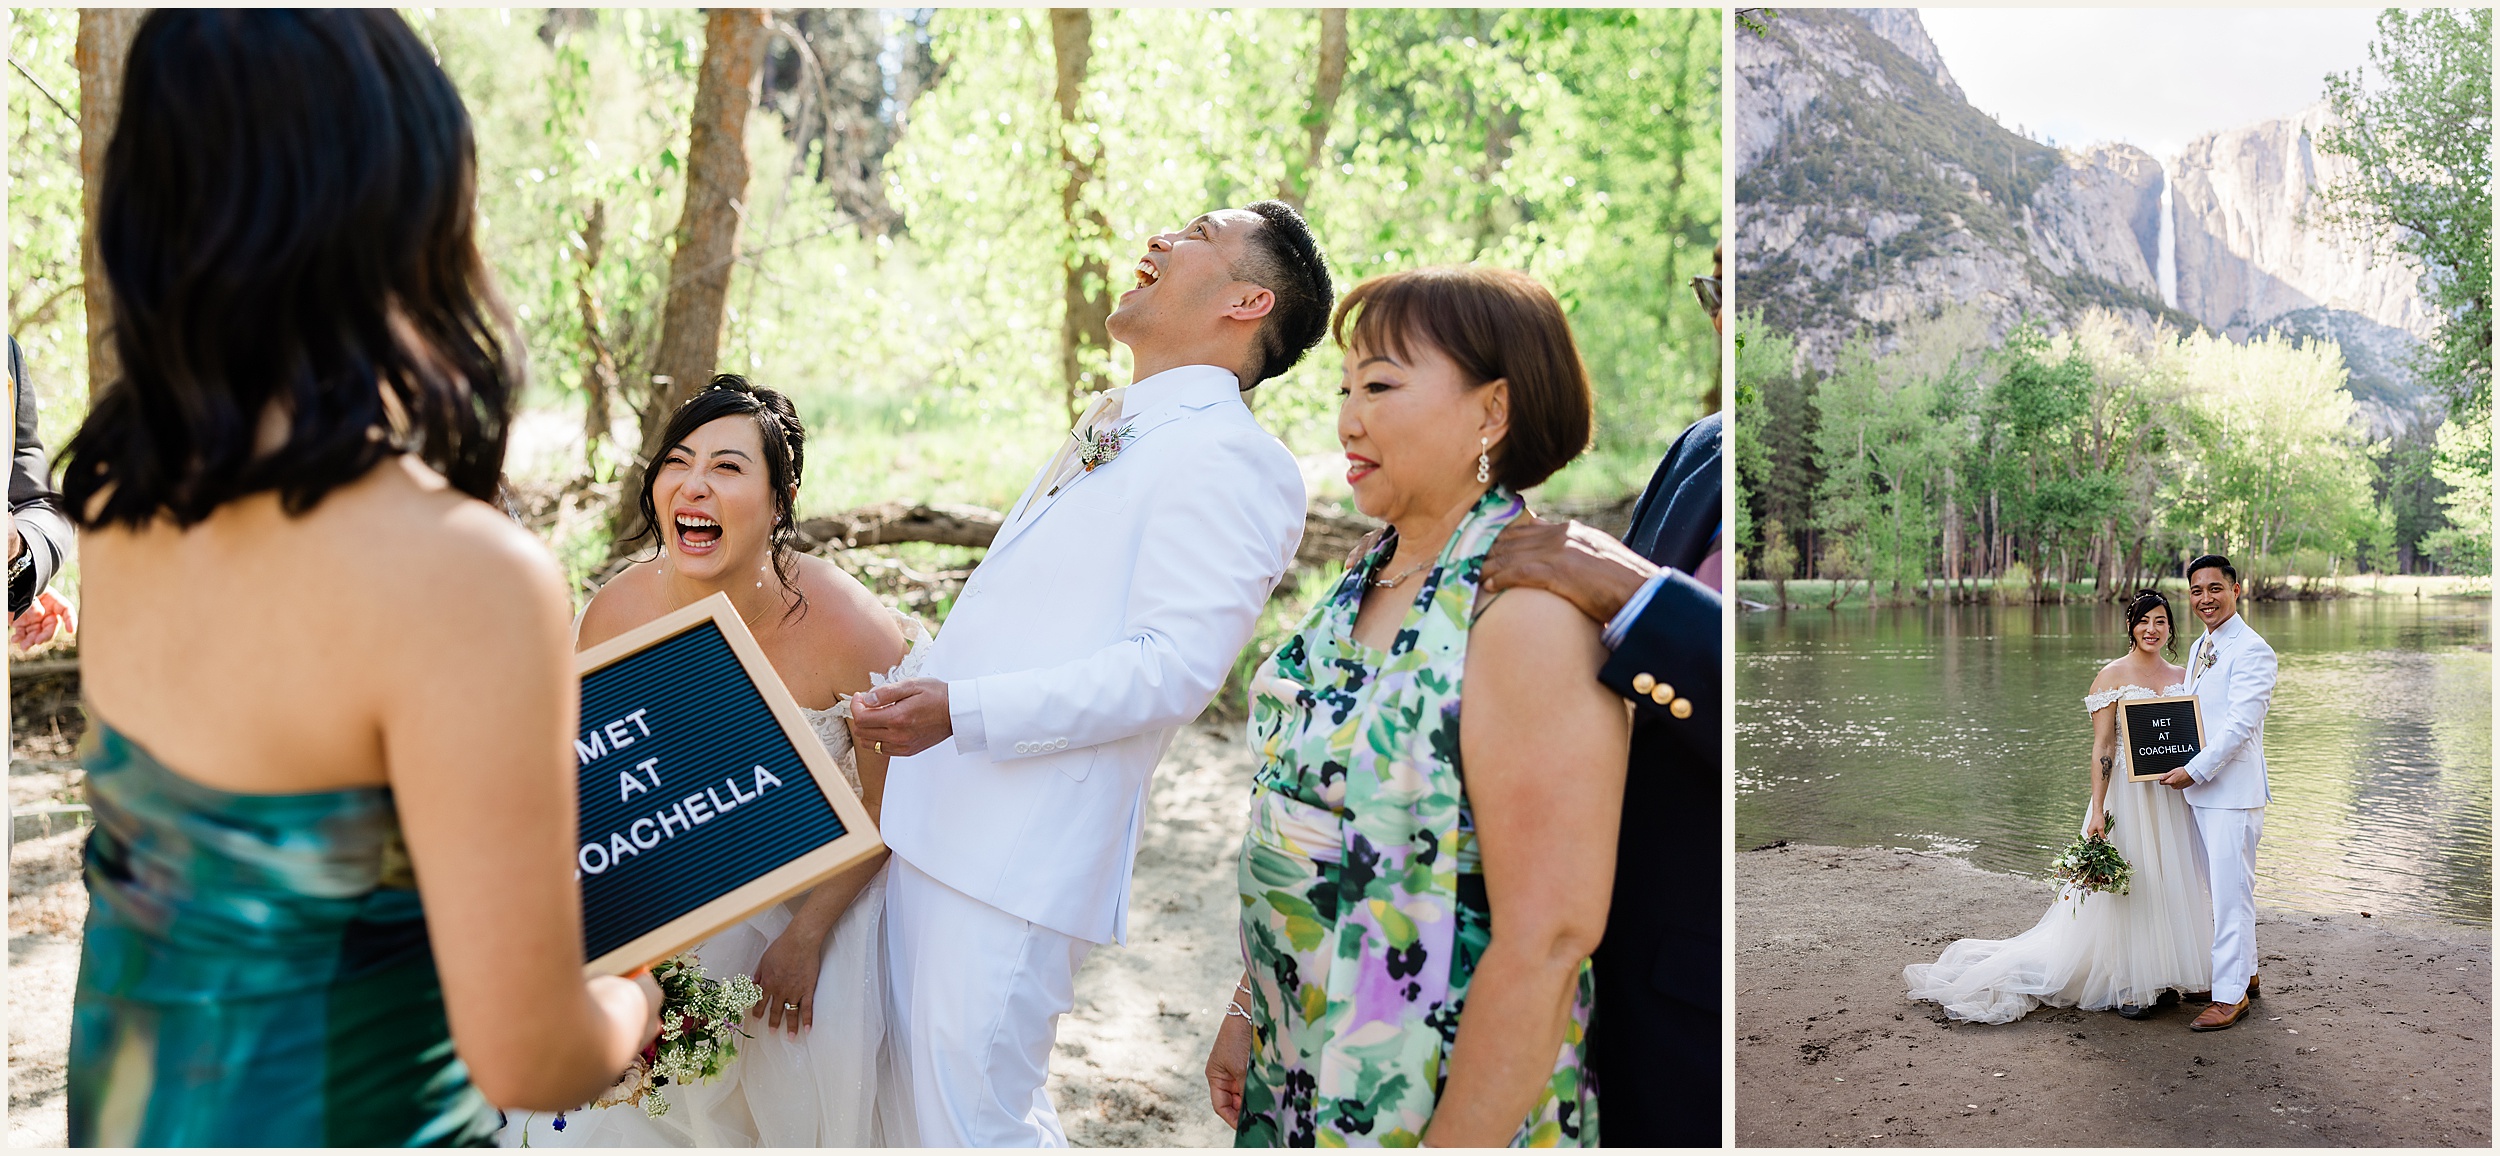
<point>1106,614</point>
<point>2231,673</point>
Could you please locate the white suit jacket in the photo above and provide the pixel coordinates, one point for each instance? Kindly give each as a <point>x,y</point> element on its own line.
<point>2231,771</point>
<point>1090,633</point>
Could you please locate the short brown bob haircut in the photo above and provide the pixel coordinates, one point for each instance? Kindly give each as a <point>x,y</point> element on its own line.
<point>1497,324</point>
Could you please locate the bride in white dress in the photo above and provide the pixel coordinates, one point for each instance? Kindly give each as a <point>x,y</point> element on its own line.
<point>815,1069</point>
<point>2101,950</point>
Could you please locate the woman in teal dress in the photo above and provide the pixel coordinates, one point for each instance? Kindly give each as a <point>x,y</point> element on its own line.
<point>1419,901</point>
<point>329,692</point>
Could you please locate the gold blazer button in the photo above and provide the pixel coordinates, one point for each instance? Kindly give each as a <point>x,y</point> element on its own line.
<point>1661,694</point>
<point>1681,708</point>
<point>1642,682</point>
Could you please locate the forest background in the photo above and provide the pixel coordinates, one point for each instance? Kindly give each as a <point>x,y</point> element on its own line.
<point>913,221</point>
<point>2088,454</point>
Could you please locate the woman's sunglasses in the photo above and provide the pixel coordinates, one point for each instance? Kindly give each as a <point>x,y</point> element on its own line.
<point>1707,289</point>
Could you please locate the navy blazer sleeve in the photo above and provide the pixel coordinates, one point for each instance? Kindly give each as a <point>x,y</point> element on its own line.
<point>33,506</point>
<point>1675,641</point>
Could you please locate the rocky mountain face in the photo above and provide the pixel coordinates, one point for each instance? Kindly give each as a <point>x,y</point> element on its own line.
<point>2249,249</point>
<point>1869,191</point>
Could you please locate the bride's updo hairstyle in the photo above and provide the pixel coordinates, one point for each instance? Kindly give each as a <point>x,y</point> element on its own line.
<point>785,459</point>
<point>285,219</point>
<point>2143,604</point>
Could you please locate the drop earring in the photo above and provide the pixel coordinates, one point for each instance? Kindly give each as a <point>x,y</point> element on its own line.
<point>1484,461</point>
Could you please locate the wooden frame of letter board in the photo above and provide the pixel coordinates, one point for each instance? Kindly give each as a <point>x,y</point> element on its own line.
<point>2126,743</point>
<point>859,838</point>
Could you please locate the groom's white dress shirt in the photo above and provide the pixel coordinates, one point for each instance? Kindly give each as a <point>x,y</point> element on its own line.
<point>2232,695</point>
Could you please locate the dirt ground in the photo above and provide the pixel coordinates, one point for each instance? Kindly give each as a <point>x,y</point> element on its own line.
<point>2368,1032</point>
<point>1128,1072</point>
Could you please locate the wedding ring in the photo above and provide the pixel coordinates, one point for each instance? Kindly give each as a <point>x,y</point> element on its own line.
<point>881,746</point>
<point>789,1007</point>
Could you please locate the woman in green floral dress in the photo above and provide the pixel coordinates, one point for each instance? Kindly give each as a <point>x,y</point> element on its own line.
<point>1418,904</point>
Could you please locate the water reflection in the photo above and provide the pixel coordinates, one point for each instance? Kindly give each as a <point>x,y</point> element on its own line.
<point>1962,729</point>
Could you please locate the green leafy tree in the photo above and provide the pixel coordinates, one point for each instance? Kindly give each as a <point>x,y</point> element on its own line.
<point>2420,145</point>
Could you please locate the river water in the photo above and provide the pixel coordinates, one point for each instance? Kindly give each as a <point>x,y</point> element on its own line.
<point>1962,729</point>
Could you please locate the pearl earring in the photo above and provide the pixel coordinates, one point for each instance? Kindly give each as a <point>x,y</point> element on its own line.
<point>1484,461</point>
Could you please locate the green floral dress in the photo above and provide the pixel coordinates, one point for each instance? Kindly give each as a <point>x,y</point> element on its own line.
<point>1363,901</point>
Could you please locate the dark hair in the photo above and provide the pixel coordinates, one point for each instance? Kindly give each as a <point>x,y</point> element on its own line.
<point>1496,324</point>
<point>2215,562</point>
<point>285,220</point>
<point>785,460</point>
<point>2144,604</point>
<point>1285,261</point>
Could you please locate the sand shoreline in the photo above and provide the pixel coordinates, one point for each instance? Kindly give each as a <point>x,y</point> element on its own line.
<point>2370,1032</point>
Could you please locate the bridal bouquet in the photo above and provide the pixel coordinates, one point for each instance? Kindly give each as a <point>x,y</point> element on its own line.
<point>698,1035</point>
<point>2091,864</point>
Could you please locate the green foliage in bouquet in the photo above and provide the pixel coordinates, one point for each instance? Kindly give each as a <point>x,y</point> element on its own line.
<point>698,1034</point>
<point>2091,864</point>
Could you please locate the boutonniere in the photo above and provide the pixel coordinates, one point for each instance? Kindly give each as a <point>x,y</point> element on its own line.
<point>1098,445</point>
<point>2206,663</point>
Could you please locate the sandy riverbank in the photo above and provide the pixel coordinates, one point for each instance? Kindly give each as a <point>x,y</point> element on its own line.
<point>2368,1033</point>
<point>1128,1071</point>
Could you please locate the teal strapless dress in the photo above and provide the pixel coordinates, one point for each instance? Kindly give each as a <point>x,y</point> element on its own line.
<point>255,971</point>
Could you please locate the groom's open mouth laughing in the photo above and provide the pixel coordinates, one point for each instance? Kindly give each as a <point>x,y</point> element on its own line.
<point>1147,274</point>
<point>697,532</point>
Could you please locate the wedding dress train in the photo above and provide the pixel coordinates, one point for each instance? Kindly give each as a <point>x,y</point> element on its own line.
<point>2097,950</point>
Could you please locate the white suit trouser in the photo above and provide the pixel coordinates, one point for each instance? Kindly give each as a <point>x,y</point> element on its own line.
<point>976,996</point>
<point>2229,836</point>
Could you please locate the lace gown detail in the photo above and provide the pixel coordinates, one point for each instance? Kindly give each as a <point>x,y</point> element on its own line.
<point>2099,950</point>
<point>836,1084</point>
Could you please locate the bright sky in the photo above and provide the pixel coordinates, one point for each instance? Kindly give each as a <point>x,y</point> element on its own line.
<point>2154,78</point>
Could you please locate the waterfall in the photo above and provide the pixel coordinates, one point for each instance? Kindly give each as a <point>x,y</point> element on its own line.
<point>2166,251</point>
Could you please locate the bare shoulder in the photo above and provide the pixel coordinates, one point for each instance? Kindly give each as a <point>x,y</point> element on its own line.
<point>2111,676</point>
<point>844,617</point>
<point>1528,629</point>
<point>426,547</point>
<point>629,599</point>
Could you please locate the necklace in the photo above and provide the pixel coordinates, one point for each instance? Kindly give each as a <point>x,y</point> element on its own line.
<point>1409,572</point>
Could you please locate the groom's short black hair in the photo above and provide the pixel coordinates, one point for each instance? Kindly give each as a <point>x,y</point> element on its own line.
<point>1285,261</point>
<point>2213,562</point>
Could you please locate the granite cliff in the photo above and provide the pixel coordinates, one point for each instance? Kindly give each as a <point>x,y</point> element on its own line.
<point>1869,191</point>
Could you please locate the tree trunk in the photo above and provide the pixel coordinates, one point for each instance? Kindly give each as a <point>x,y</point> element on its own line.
<point>1085,323</point>
<point>1327,81</point>
<point>103,49</point>
<point>601,382</point>
<point>707,232</point>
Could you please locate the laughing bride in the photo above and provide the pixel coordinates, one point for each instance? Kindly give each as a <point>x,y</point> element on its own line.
<point>2100,950</point>
<point>814,1070</point>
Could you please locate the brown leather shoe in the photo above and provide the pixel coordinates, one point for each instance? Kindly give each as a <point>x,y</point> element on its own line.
<point>2252,985</point>
<point>2218,1016</point>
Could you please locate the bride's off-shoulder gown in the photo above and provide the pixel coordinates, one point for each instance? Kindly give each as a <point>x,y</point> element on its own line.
<point>2097,950</point>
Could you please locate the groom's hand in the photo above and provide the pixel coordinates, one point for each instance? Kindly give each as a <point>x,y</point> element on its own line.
<point>908,717</point>
<point>2179,779</point>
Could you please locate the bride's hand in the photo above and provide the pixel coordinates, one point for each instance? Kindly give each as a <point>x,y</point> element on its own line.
<point>2097,826</point>
<point>787,973</point>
